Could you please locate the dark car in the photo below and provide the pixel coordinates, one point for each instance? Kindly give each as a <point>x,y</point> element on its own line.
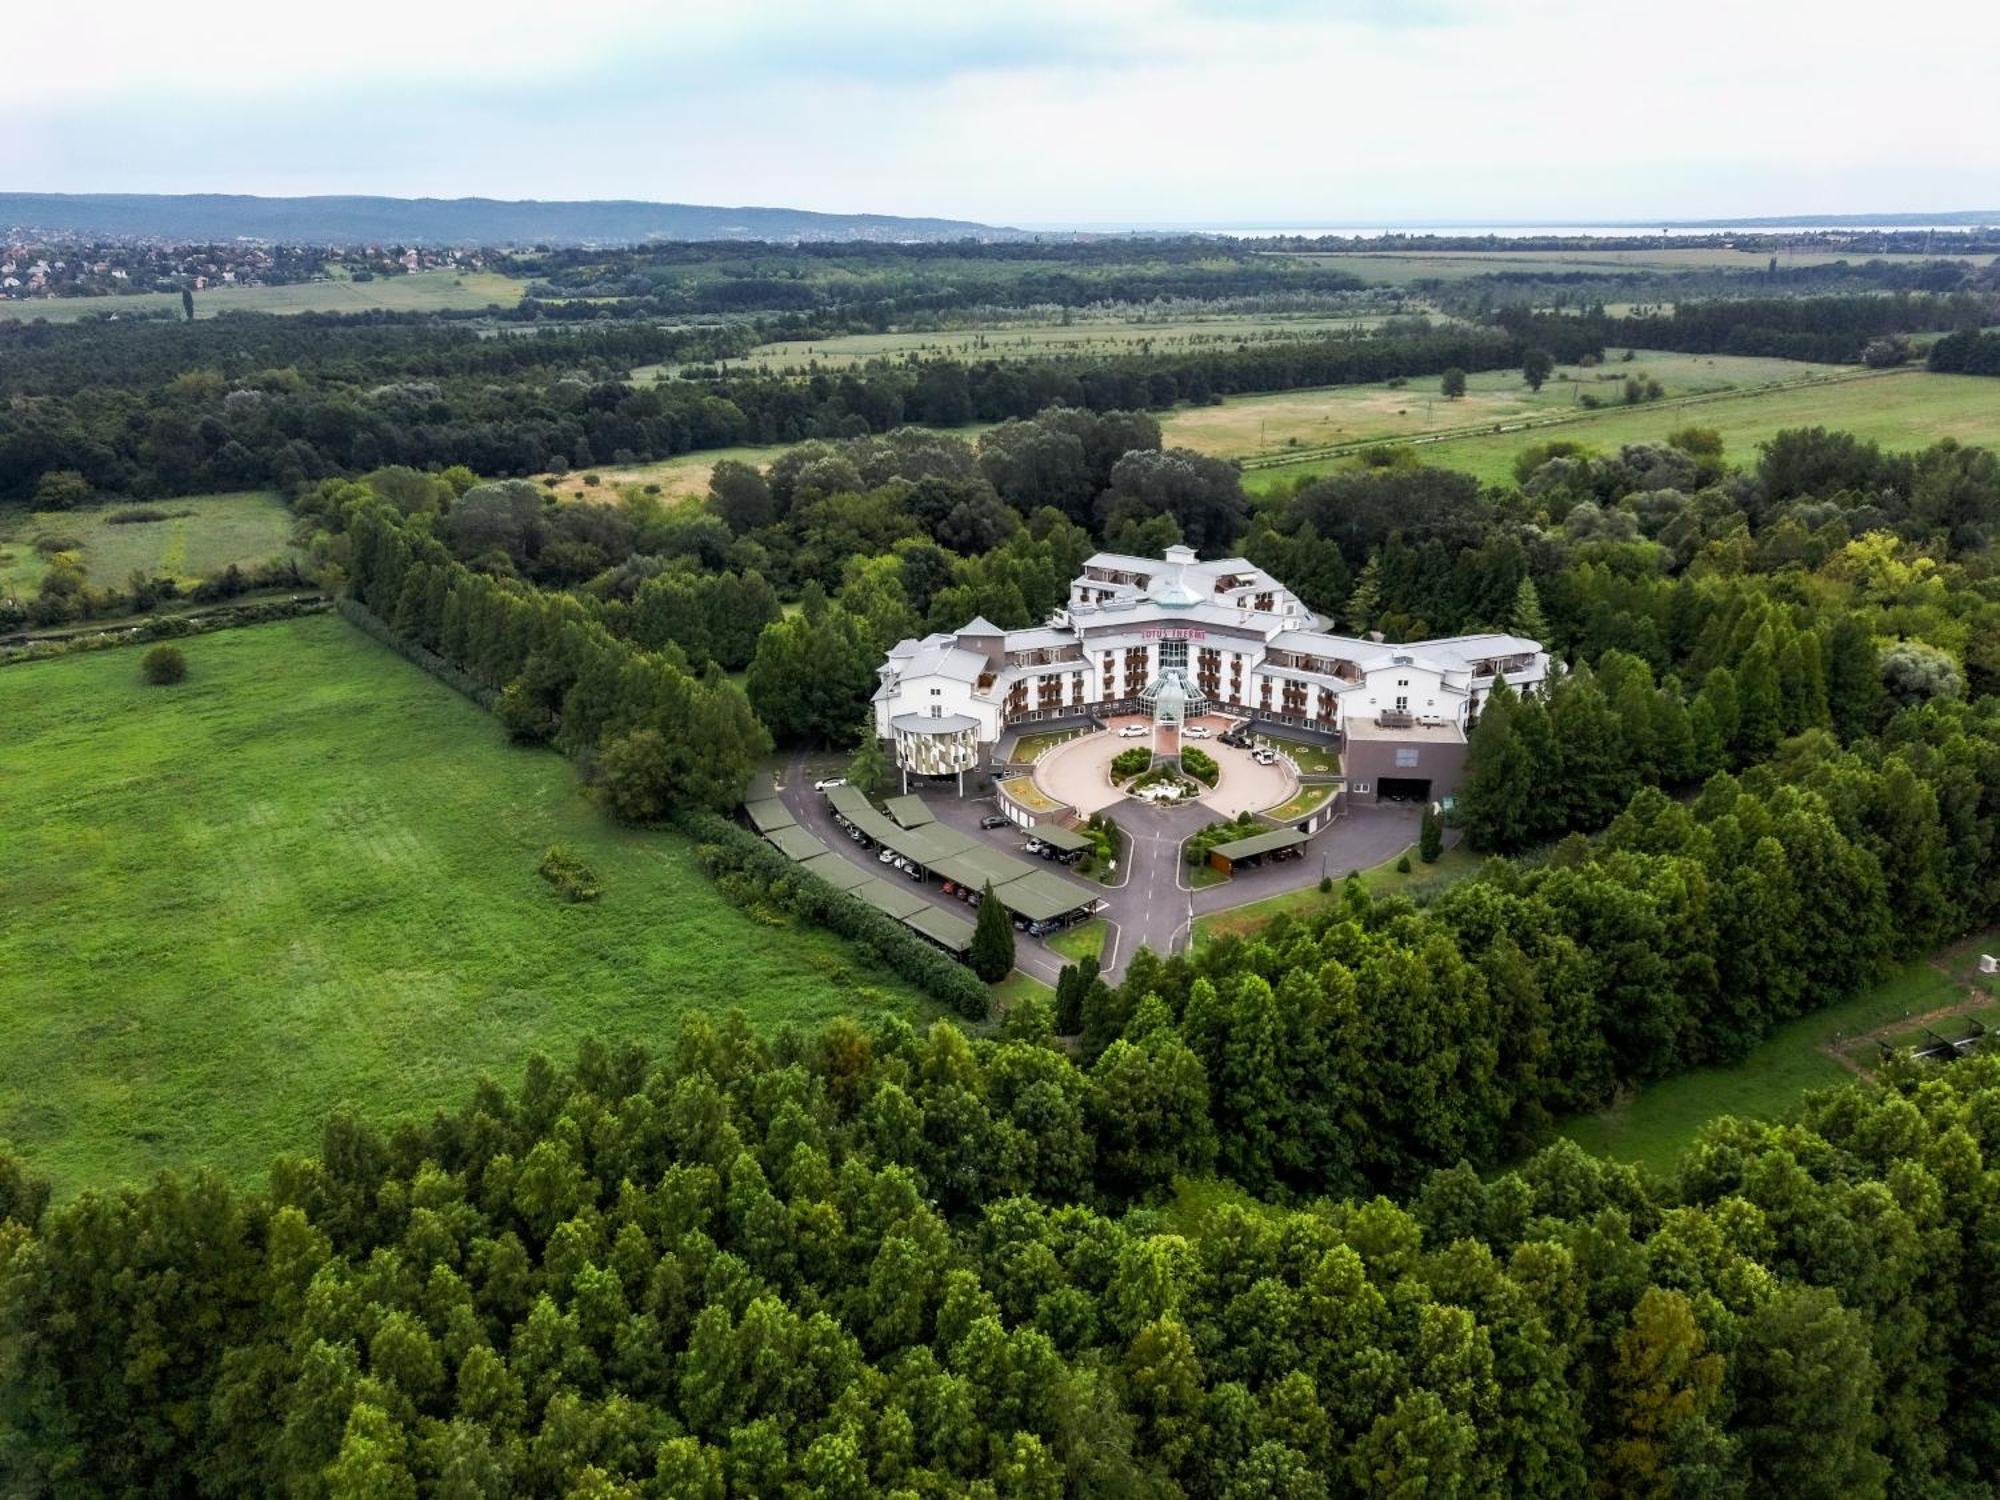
<point>995,820</point>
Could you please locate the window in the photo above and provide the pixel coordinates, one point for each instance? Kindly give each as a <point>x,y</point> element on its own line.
<point>937,710</point>
<point>1402,703</point>
<point>1406,755</point>
<point>936,692</point>
<point>1173,656</point>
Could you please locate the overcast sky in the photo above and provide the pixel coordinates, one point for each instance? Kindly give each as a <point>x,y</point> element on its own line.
<point>1028,111</point>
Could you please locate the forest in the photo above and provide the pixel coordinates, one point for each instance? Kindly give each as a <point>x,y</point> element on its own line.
<point>1276,1216</point>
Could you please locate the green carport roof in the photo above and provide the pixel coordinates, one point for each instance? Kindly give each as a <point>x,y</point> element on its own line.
<point>953,933</point>
<point>841,874</point>
<point>1066,839</point>
<point>1041,895</point>
<point>891,899</point>
<point>795,842</point>
<point>909,811</point>
<point>848,800</point>
<point>769,814</point>
<point>1259,843</point>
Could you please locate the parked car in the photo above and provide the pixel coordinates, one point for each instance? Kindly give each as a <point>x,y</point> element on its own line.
<point>1033,846</point>
<point>1041,929</point>
<point>1264,757</point>
<point>1020,924</point>
<point>914,871</point>
<point>887,857</point>
<point>1133,732</point>
<point>995,820</point>
<point>1198,732</point>
<point>827,784</point>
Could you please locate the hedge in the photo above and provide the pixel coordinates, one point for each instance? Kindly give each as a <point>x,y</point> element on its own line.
<point>725,848</point>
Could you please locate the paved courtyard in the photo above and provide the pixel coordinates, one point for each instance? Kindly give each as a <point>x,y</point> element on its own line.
<point>1079,772</point>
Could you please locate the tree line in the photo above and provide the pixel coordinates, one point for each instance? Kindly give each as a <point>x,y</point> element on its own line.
<point>870,1261</point>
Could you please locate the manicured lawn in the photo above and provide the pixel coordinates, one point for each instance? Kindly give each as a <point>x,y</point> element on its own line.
<point>1383,879</point>
<point>1085,940</point>
<point>1306,801</point>
<point>308,874</point>
<point>1654,1124</point>
<point>199,535</point>
<point>1312,758</point>
<point>1031,745</point>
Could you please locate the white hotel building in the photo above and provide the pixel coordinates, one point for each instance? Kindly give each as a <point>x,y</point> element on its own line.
<point>1174,637</point>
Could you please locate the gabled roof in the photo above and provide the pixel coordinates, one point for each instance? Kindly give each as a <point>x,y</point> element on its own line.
<point>980,625</point>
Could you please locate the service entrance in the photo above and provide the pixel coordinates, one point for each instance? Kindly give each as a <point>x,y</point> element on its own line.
<point>1403,789</point>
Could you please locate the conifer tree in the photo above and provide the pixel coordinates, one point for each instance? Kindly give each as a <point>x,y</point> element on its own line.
<point>1430,838</point>
<point>992,953</point>
<point>1366,600</point>
<point>1527,618</point>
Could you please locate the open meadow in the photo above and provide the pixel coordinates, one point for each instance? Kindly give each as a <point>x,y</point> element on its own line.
<point>196,535</point>
<point>307,875</point>
<point>1130,335</point>
<point>1900,409</point>
<point>1654,1124</point>
<point>1270,427</point>
<point>420,291</point>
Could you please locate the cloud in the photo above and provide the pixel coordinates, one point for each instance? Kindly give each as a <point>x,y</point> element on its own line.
<point>1133,110</point>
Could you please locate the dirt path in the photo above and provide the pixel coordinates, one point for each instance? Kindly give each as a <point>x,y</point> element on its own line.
<point>1974,999</point>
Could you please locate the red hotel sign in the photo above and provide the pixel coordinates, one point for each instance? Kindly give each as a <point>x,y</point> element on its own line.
<point>1162,633</point>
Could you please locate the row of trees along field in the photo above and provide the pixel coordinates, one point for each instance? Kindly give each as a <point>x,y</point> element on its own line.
<point>871,1262</point>
<point>159,409</point>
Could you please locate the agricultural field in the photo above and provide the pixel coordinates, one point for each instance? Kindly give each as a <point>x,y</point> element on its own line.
<point>197,535</point>
<point>1900,409</point>
<point>1654,1124</point>
<point>1406,267</point>
<point>421,291</point>
<point>307,875</point>
<point>1039,341</point>
<point>1267,427</point>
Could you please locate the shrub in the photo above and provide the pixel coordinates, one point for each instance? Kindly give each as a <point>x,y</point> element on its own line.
<point>55,542</point>
<point>1403,865</point>
<point>572,879</point>
<point>1200,765</point>
<point>163,664</point>
<point>62,489</point>
<point>1326,885</point>
<point>1130,762</point>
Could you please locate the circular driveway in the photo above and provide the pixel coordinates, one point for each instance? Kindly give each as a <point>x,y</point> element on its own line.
<point>1079,771</point>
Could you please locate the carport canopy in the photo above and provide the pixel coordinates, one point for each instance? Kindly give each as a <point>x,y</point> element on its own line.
<point>909,810</point>
<point>841,874</point>
<point>769,814</point>
<point>1259,843</point>
<point>794,842</point>
<point>952,933</point>
<point>1066,839</point>
<point>1041,896</point>
<point>892,900</point>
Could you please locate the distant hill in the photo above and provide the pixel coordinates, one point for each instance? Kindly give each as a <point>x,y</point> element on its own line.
<point>452,221</point>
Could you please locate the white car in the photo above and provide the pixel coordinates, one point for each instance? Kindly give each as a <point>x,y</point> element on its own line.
<point>1133,732</point>
<point>1196,732</point>
<point>829,783</point>
<point>1264,757</point>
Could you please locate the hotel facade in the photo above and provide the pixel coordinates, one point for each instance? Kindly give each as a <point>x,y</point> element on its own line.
<point>1172,638</point>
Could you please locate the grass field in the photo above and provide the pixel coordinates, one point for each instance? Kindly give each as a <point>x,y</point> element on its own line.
<point>1403,267</point>
<point>421,291</point>
<point>1085,940</point>
<point>309,874</point>
<point>1654,1124</point>
<point>1269,427</point>
<point>1384,880</point>
<point>1040,340</point>
<point>202,534</point>
<point>1902,409</point>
